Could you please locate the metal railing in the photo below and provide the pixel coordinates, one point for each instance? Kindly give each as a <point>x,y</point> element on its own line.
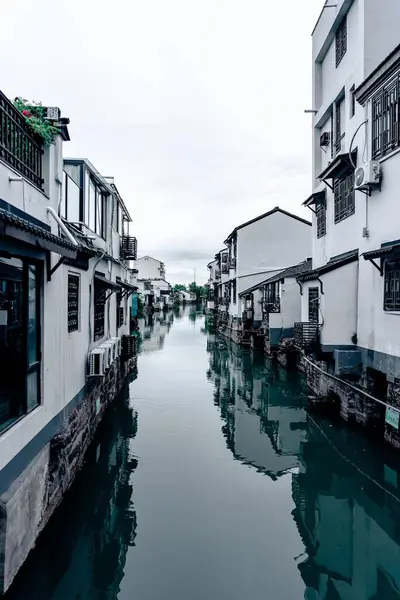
<point>128,247</point>
<point>305,334</point>
<point>272,307</point>
<point>19,146</point>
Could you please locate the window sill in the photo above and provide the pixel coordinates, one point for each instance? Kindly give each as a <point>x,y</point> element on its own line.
<point>387,156</point>
<point>392,312</point>
<point>14,424</point>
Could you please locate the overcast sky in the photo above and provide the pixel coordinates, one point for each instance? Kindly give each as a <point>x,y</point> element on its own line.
<point>195,107</point>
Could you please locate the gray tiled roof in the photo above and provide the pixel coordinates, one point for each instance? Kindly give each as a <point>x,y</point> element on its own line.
<point>25,225</point>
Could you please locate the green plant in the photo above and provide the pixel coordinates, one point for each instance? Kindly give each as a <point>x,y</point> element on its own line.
<point>34,115</point>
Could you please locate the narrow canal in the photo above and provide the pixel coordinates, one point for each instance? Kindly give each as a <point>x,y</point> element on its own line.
<point>208,480</point>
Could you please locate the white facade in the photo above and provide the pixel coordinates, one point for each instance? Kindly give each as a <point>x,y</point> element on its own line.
<point>264,247</point>
<point>351,295</point>
<point>65,289</point>
<point>150,268</point>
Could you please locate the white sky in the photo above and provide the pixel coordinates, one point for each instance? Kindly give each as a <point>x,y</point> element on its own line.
<point>195,107</point>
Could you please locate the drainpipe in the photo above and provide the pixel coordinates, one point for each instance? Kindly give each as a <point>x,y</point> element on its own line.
<point>61,225</point>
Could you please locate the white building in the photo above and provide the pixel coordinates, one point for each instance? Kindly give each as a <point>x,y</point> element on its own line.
<point>150,268</point>
<point>257,250</point>
<point>64,291</point>
<point>276,303</point>
<point>356,66</point>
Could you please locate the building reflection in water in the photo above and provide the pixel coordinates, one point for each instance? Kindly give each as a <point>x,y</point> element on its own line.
<point>85,560</point>
<point>345,488</point>
<point>262,408</point>
<point>153,329</point>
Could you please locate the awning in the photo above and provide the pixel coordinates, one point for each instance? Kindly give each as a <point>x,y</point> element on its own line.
<point>316,198</point>
<point>340,165</point>
<point>127,286</point>
<point>334,263</point>
<point>391,248</point>
<point>20,229</point>
<point>101,280</point>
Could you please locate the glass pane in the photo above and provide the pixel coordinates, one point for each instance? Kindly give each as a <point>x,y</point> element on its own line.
<point>32,316</point>
<point>63,207</point>
<point>11,340</point>
<point>92,206</point>
<point>73,201</point>
<point>87,181</point>
<point>99,213</point>
<point>32,391</point>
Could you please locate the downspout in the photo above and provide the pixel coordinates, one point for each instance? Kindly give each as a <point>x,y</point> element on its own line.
<point>61,225</point>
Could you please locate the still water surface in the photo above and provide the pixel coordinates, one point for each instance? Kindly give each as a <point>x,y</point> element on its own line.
<point>208,480</point>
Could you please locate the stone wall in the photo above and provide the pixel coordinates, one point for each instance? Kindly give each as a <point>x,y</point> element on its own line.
<point>352,404</point>
<point>29,502</point>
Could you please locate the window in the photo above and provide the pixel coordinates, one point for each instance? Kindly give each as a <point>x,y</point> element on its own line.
<point>71,200</point>
<point>234,291</point>
<point>320,210</point>
<point>73,302</point>
<point>391,300</point>
<point>20,339</point>
<point>341,41</point>
<point>352,101</point>
<point>120,310</point>
<point>99,311</point>
<point>386,119</point>
<point>344,197</point>
<point>313,304</point>
<point>271,297</point>
<point>339,114</point>
<point>95,207</point>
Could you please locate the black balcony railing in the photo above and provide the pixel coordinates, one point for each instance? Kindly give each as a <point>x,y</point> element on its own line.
<point>232,263</point>
<point>129,346</point>
<point>19,146</point>
<point>272,307</point>
<point>306,334</point>
<point>128,247</point>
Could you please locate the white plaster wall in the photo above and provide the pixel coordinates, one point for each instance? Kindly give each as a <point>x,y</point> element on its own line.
<point>339,305</point>
<point>290,302</point>
<point>381,31</point>
<point>270,244</point>
<point>149,268</point>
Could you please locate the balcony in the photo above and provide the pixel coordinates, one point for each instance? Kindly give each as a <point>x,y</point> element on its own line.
<point>225,269</point>
<point>20,148</point>
<point>306,334</point>
<point>232,263</point>
<point>128,247</point>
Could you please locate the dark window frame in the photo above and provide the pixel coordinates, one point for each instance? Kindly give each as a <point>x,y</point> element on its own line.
<point>341,41</point>
<point>320,216</point>
<point>344,197</point>
<point>29,366</point>
<point>386,118</point>
<point>234,291</point>
<point>99,310</point>
<point>391,289</point>
<point>313,305</point>
<point>74,285</point>
<point>352,101</point>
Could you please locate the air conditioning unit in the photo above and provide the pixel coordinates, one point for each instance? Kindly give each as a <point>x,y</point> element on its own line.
<point>117,346</point>
<point>325,139</point>
<point>367,175</point>
<point>108,348</point>
<point>96,363</point>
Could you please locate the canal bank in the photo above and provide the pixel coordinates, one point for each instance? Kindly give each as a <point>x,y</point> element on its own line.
<point>208,479</point>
